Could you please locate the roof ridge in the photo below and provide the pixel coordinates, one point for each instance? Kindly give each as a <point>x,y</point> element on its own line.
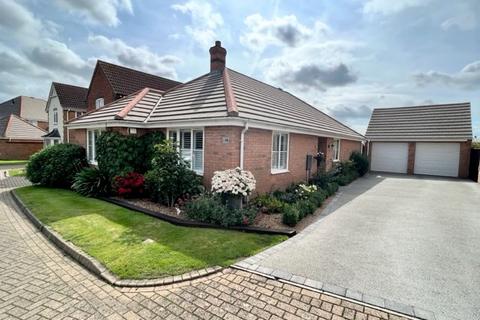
<point>427,105</point>
<point>124,112</point>
<point>70,85</point>
<point>232,108</point>
<point>135,70</point>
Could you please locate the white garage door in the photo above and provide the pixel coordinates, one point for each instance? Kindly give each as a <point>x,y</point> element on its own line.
<point>438,159</point>
<point>389,157</point>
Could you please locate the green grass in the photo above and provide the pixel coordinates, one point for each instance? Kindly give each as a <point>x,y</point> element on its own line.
<point>16,172</point>
<point>6,162</point>
<point>114,236</point>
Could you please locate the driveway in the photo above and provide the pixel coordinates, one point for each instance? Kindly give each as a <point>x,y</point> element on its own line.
<point>413,240</point>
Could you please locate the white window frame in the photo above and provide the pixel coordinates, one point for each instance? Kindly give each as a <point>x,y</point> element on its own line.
<point>55,116</point>
<point>192,145</point>
<point>92,158</point>
<point>99,102</point>
<point>336,150</point>
<point>276,170</point>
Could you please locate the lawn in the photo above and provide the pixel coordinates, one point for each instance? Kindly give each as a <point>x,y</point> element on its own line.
<point>115,236</point>
<point>11,162</point>
<point>16,172</point>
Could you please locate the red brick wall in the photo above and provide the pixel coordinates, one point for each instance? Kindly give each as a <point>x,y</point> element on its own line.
<point>464,163</point>
<point>258,155</point>
<point>78,136</point>
<point>346,149</point>
<point>100,88</point>
<point>411,158</point>
<point>10,150</point>
<point>219,155</point>
<point>43,125</point>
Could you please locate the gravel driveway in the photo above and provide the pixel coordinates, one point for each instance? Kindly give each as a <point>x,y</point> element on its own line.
<point>414,240</point>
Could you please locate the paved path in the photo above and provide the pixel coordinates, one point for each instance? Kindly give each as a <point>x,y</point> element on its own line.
<point>38,282</point>
<point>413,240</point>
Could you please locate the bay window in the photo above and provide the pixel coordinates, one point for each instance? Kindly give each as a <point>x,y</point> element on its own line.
<point>190,145</point>
<point>280,152</point>
<point>92,137</point>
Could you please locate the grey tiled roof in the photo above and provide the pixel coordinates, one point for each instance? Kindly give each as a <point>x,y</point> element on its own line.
<point>71,97</point>
<point>14,127</point>
<point>205,98</point>
<point>447,122</point>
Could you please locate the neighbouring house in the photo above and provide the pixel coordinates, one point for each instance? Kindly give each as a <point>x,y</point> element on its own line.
<point>28,108</point>
<point>109,82</point>
<point>225,119</point>
<point>431,140</point>
<point>19,138</point>
<point>65,102</point>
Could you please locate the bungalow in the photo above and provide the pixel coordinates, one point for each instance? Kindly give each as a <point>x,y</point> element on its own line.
<point>19,138</point>
<point>225,119</point>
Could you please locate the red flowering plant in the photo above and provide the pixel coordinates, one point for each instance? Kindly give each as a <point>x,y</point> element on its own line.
<point>130,185</point>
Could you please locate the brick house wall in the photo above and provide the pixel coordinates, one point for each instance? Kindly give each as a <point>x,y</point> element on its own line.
<point>78,136</point>
<point>18,150</point>
<point>464,162</point>
<point>43,125</point>
<point>221,150</point>
<point>346,149</point>
<point>99,88</point>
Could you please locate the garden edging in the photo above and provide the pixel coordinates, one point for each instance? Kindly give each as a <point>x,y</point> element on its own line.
<point>189,223</point>
<point>96,267</point>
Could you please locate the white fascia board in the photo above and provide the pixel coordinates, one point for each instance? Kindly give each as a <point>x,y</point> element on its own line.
<point>225,121</point>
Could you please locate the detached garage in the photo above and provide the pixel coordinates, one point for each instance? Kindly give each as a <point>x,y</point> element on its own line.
<point>430,140</point>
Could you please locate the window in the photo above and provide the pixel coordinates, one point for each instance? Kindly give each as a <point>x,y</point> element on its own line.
<point>92,137</point>
<point>99,103</point>
<point>190,145</point>
<point>280,152</point>
<point>336,150</point>
<point>55,116</point>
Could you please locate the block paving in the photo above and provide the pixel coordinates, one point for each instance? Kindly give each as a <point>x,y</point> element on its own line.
<point>37,281</point>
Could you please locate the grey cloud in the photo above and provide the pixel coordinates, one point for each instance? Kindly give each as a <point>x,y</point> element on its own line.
<point>350,112</point>
<point>289,34</point>
<point>317,77</point>
<point>97,12</point>
<point>467,78</point>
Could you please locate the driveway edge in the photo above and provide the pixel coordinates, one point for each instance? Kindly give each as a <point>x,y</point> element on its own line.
<point>355,296</point>
<point>95,266</point>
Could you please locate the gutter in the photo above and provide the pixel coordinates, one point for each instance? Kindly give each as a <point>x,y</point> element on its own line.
<point>242,144</point>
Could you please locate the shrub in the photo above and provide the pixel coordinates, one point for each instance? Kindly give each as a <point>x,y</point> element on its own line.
<point>332,187</point>
<point>318,197</point>
<point>304,191</point>
<point>268,203</point>
<point>170,176</point>
<point>209,208</point>
<point>360,162</point>
<point>119,154</point>
<point>130,185</point>
<point>287,197</point>
<point>57,165</point>
<point>305,207</point>
<point>290,215</point>
<point>92,182</point>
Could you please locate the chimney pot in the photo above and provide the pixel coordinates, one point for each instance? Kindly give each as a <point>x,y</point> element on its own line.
<point>218,56</point>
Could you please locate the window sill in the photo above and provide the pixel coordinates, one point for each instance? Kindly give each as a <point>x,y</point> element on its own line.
<point>338,160</point>
<point>279,171</point>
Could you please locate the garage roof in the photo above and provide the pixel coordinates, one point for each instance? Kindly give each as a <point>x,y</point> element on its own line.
<point>443,122</point>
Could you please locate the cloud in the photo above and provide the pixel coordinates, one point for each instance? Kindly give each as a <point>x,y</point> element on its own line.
<point>104,12</point>
<point>467,78</point>
<point>279,31</point>
<point>18,20</point>
<point>389,7</point>
<point>140,58</point>
<point>314,76</point>
<point>463,22</point>
<point>205,22</point>
<point>344,112</point>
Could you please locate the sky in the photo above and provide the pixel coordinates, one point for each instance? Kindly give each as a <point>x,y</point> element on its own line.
<point>345,57</point>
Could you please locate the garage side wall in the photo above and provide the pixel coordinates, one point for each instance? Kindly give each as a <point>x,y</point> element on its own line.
<point>464,163</point>
<point>10,150</point>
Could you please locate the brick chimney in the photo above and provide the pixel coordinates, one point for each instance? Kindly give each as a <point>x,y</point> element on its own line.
<point>218,56</point>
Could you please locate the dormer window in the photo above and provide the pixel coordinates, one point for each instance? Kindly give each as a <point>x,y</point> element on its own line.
<point>99,103</point>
